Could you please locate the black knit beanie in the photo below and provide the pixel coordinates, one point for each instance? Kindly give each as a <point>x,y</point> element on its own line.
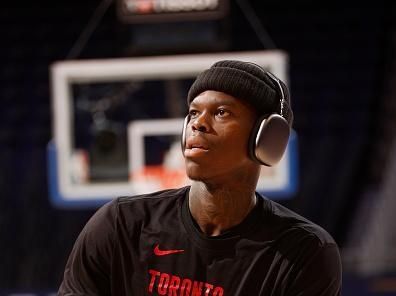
<point>245,81</point>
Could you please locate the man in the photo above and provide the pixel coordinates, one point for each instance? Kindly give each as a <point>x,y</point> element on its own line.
<point>218,236</point>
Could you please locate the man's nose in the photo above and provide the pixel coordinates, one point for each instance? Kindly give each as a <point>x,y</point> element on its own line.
<point>200,123</point>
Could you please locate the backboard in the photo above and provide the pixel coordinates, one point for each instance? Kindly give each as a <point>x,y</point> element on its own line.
<point>117,126</point>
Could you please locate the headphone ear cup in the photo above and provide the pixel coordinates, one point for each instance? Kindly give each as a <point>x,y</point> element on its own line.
<point>183,135</point>
<point>269,139</point>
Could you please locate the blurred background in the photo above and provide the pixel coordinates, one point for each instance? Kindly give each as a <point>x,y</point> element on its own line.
<point>342,77</point>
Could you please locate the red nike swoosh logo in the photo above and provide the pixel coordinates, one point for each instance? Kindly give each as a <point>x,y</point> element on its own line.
<point>159,252</point>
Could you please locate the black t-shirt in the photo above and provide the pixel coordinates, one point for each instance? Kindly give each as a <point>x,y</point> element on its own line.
<point>150,245</point>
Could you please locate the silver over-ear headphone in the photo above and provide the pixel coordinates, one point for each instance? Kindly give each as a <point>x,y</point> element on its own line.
<point>269,136</point>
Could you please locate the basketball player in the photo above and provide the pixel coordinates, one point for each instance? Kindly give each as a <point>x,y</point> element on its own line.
<point>218,236</point>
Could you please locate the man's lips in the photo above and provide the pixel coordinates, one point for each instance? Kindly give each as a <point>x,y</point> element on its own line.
<point>196,143</point>
<point>195,147</point>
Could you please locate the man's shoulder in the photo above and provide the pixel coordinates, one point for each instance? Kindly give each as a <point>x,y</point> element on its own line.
<point>310,250</point>
<point>289,223</point>
<point>163,196</point>
<point>153,196</point>
<point>137,207</point>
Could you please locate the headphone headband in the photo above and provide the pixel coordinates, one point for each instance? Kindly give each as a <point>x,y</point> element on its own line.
<point>277,82</point>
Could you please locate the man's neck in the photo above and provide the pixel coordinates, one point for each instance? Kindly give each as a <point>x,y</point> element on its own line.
<point>216,209</point>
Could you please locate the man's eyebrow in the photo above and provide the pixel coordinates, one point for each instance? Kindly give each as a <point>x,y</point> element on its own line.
<point>218,101</point>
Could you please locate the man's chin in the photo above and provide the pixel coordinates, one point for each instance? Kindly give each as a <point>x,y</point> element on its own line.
<point>195,173</point>
<point>195,176</point>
